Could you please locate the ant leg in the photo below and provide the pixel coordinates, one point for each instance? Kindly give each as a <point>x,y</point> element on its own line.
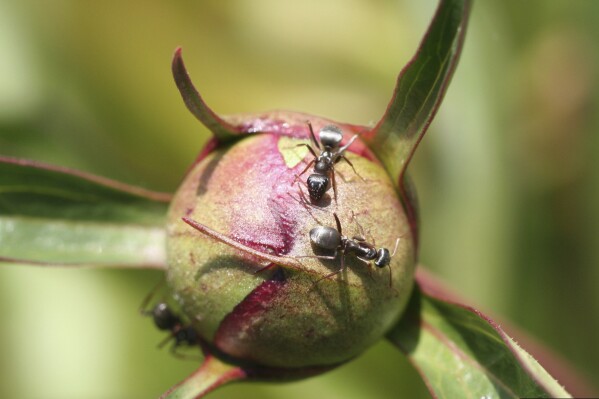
<point>352,166</point>
<point>303,171</point>
<point>362,237</point>
<point>185,357</point>
<point>312,136</point>
<point>368,265</point>
<point>360,228</point>
<point>305,200</point>
<point>306,204</point>
<point>341,269</point>
<point>338,223</point>
<point>175,353</point>
<point>342,176</point>
<point>342,150</point>
<point>165,340</point>
<point>346,146</point>
<point>182,356</point>
<point>334,184</point>
<point>175,345</point>
<point>363,233</point>
<point>326,257</point>
<point>309,148</point>
<point>143,307</point>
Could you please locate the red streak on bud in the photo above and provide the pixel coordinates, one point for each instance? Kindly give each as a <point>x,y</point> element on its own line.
<point>243,317</point>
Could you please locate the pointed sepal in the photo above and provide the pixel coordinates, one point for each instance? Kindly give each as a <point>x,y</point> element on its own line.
<point>222,130</point>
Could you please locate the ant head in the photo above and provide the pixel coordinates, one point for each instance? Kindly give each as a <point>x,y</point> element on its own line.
<point>383,257</point>
<point>330,136</point>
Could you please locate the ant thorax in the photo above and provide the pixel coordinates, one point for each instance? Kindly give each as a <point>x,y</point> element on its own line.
<point>360,248</point>
<point>327,151</point>
<point>324,162</point>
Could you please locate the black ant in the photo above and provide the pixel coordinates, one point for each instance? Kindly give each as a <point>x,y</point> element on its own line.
<point>331,239</point>
<point>330,153</point>
<point>323,238</point>
<point>166,320</point>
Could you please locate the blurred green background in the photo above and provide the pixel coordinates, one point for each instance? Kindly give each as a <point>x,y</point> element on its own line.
<point>508,175</point>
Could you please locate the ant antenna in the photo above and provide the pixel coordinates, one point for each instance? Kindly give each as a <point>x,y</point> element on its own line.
<point>144,305</point>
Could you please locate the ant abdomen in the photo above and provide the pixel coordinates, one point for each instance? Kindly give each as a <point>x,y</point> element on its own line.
<point>164,318</point>
<point>326,238</point>
<point>330,136</point>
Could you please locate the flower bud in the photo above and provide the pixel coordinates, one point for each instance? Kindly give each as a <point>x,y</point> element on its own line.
<point>287,309</point>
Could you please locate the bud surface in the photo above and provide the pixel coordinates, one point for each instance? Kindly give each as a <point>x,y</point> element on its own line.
<point>281,316</point>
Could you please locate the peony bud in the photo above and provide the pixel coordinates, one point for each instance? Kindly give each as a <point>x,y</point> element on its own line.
<point>286,309</point>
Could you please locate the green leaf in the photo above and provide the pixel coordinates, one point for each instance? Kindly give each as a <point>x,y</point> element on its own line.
<point>418,93</point>
<point>420,88</point>
<point>55,216</point>
<point>461,353</point>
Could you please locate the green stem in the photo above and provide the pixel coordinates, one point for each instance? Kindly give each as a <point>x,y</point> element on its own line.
<point>212,374</point>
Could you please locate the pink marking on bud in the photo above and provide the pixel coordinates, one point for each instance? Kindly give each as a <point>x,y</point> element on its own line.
<point>245,315</point>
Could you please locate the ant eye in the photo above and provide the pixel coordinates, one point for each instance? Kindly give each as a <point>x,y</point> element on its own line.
<point>330,136</point>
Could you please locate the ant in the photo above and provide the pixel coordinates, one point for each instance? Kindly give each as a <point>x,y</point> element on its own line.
<point>322,237</point>
<point>330,153</point>
<point>166,320</point>
<point>331,239</point>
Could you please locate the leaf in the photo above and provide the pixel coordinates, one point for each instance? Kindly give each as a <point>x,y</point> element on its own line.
<point>420,88</point>
<point>418,93</point>
<point>56,216</point>
<point>461,353</point>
